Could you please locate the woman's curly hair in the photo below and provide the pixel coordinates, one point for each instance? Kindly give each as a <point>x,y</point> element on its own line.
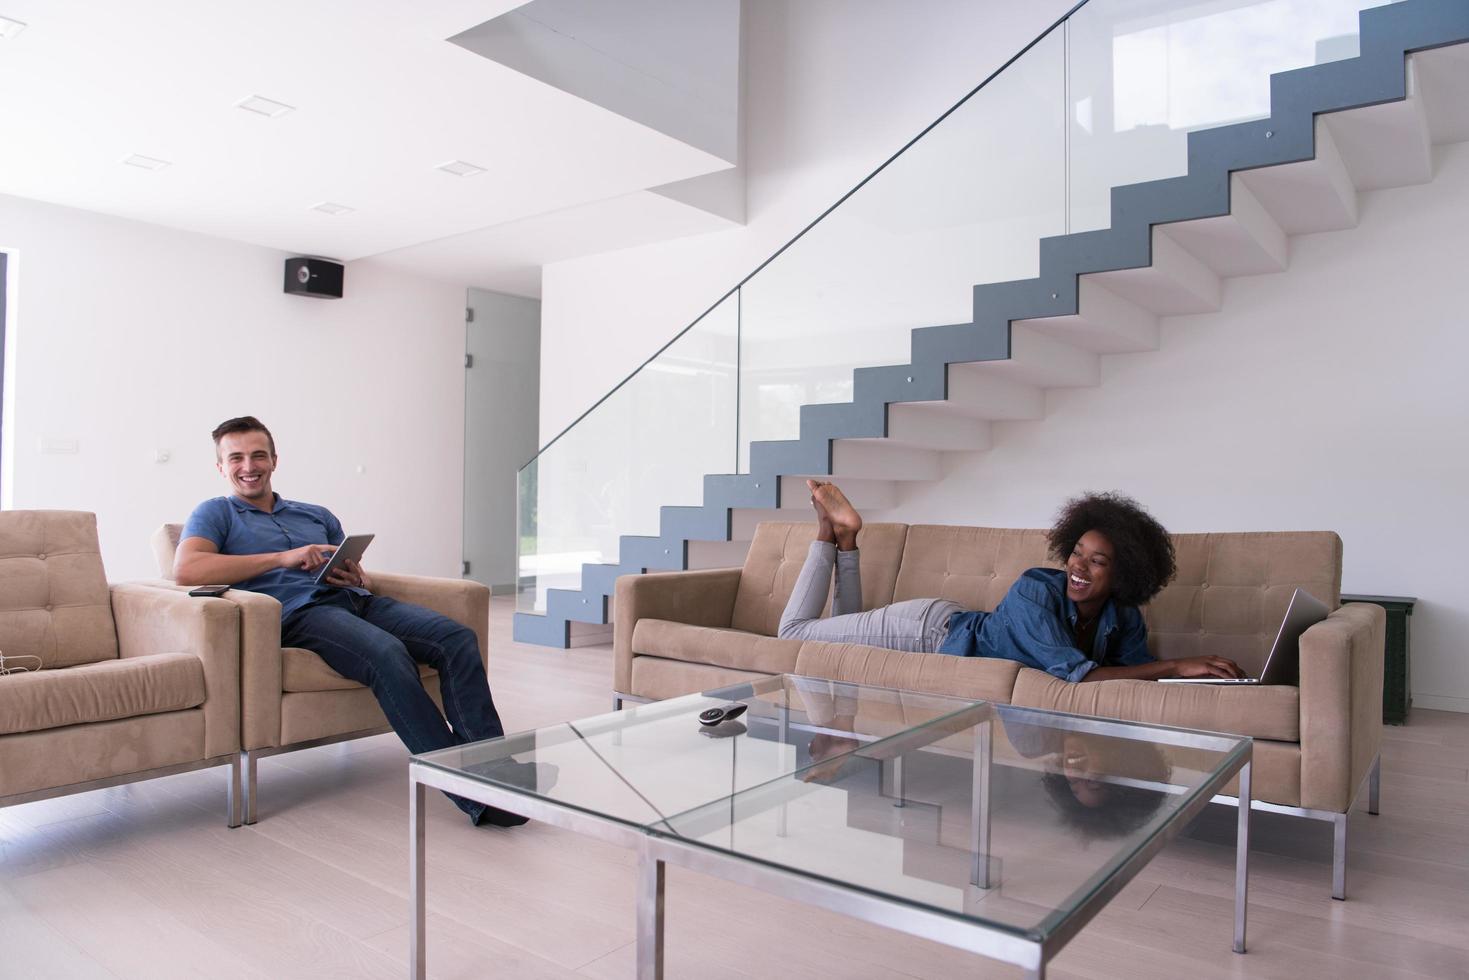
<point>1143,560</point>
<point>1125,809</point>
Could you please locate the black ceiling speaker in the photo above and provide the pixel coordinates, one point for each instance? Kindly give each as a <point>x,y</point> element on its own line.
<point>314,277</point>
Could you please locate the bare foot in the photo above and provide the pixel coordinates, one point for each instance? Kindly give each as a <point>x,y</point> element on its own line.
<point>824,530</point>
<point>830,756</point>
<point>845,520</point>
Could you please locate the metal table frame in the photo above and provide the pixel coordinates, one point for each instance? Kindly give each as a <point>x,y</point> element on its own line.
<point>657,849</point>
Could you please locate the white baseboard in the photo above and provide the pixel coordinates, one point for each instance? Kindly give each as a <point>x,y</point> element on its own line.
<point>1440,702</point>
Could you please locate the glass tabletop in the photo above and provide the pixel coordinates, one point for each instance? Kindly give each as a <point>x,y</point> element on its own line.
<point>1006,815</point>
<point>648,763</point>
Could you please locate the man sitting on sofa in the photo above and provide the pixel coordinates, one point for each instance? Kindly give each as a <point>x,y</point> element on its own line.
<point>257,540</point>
<point>1080,623</point>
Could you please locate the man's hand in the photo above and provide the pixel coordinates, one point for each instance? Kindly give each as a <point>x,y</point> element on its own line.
<point>1205,667</point>
<point>350,575</point>
<point>307,557</point>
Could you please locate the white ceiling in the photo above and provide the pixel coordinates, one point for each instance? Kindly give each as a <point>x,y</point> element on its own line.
<point>380,99</point>
<point>508,258</point>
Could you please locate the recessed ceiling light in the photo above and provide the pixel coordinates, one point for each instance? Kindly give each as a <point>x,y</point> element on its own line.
<point>9,28</point>
<point>262,106</point>
<point>144,163</point>
<point>460,168</point>
<point>327,207</point>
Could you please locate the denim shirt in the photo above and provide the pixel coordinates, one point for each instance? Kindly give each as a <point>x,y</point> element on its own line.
<point>1035,624</point>
<point>237,528</point>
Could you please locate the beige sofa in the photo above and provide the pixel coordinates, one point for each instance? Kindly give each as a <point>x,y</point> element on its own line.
<point>1314,745</point>
<point>289,698</point>
<point>133,682</point>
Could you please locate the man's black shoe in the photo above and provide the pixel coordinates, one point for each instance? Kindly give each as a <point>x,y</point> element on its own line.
<point>495,817</point>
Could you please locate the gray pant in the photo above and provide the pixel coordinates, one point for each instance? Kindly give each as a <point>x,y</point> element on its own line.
<point>912,626</point>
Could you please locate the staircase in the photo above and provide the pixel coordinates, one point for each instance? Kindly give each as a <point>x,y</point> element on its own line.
<point>1334,130</point>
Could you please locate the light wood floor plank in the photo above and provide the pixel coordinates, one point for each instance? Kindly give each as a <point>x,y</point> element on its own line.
<point>100,915</point>
<point>1383,945</point>
<point>462,952</point>
<point>31,947</point>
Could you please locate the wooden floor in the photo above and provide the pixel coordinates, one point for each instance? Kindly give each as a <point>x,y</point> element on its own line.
<point>146,881</point>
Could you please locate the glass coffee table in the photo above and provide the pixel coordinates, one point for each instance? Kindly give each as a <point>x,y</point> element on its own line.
<point>996,829</point>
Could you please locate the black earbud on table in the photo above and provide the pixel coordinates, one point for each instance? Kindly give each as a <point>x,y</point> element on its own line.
<point>727,712</point>
<point>725,729</point>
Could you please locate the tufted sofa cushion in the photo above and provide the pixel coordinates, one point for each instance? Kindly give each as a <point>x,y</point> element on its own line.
<point>973,566</point>
<point>776,554</point>
<point>1232,590</point>
<point>54,602</point>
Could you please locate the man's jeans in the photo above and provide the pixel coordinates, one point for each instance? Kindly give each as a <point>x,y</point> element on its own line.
<point>379,642</point>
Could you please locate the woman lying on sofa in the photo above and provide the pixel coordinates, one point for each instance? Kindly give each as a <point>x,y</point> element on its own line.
<point>1080,623</point>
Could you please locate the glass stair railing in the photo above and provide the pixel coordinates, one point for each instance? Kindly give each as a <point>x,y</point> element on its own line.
<point>946,290</point>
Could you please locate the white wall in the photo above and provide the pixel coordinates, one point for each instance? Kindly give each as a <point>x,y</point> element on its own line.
<point>1329,396</point>
<point>130,338</point>
<point>832,89</point>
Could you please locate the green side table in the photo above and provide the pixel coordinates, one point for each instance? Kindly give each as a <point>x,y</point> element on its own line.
<point>1397,695</point>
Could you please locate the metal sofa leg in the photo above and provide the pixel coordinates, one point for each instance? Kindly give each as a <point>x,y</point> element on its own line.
<point>1339,858</point>
<point>232,794</point>
<point>616,703</point>
<point>1374,786</point>
<point>250,788</point>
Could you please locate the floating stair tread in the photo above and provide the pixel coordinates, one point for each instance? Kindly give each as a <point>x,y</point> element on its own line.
<point>1443,83</point>
<point>1175,283</point>
<point>1105,323</point>
<point>1311,196</point>
<point>1385,145</point>
<point>1246,242</point>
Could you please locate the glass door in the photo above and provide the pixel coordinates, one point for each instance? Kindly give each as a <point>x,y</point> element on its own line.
<point>502,371</point>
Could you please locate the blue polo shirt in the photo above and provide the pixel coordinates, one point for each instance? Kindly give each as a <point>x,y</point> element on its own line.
<point>238,528</point>
<point>1034,624</point>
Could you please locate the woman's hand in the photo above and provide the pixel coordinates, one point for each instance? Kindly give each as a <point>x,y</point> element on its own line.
<point>1205,667</point>
<point>350,575</point>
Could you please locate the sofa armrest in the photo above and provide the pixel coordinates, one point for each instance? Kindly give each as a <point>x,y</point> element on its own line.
<point>463,600</point>
<point>260,663</point>
<point>1341,703</point>
<point>702,598</point>
<point>260,668</point>
<point>152,620</point>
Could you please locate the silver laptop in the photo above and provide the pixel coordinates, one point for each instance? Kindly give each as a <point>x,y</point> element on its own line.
<point>1283,665</point>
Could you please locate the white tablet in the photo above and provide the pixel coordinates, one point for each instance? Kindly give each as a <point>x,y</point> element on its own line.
<point>351,549</point>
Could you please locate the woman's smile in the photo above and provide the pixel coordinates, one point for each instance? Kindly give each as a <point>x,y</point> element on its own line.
<point>1089,571</point>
